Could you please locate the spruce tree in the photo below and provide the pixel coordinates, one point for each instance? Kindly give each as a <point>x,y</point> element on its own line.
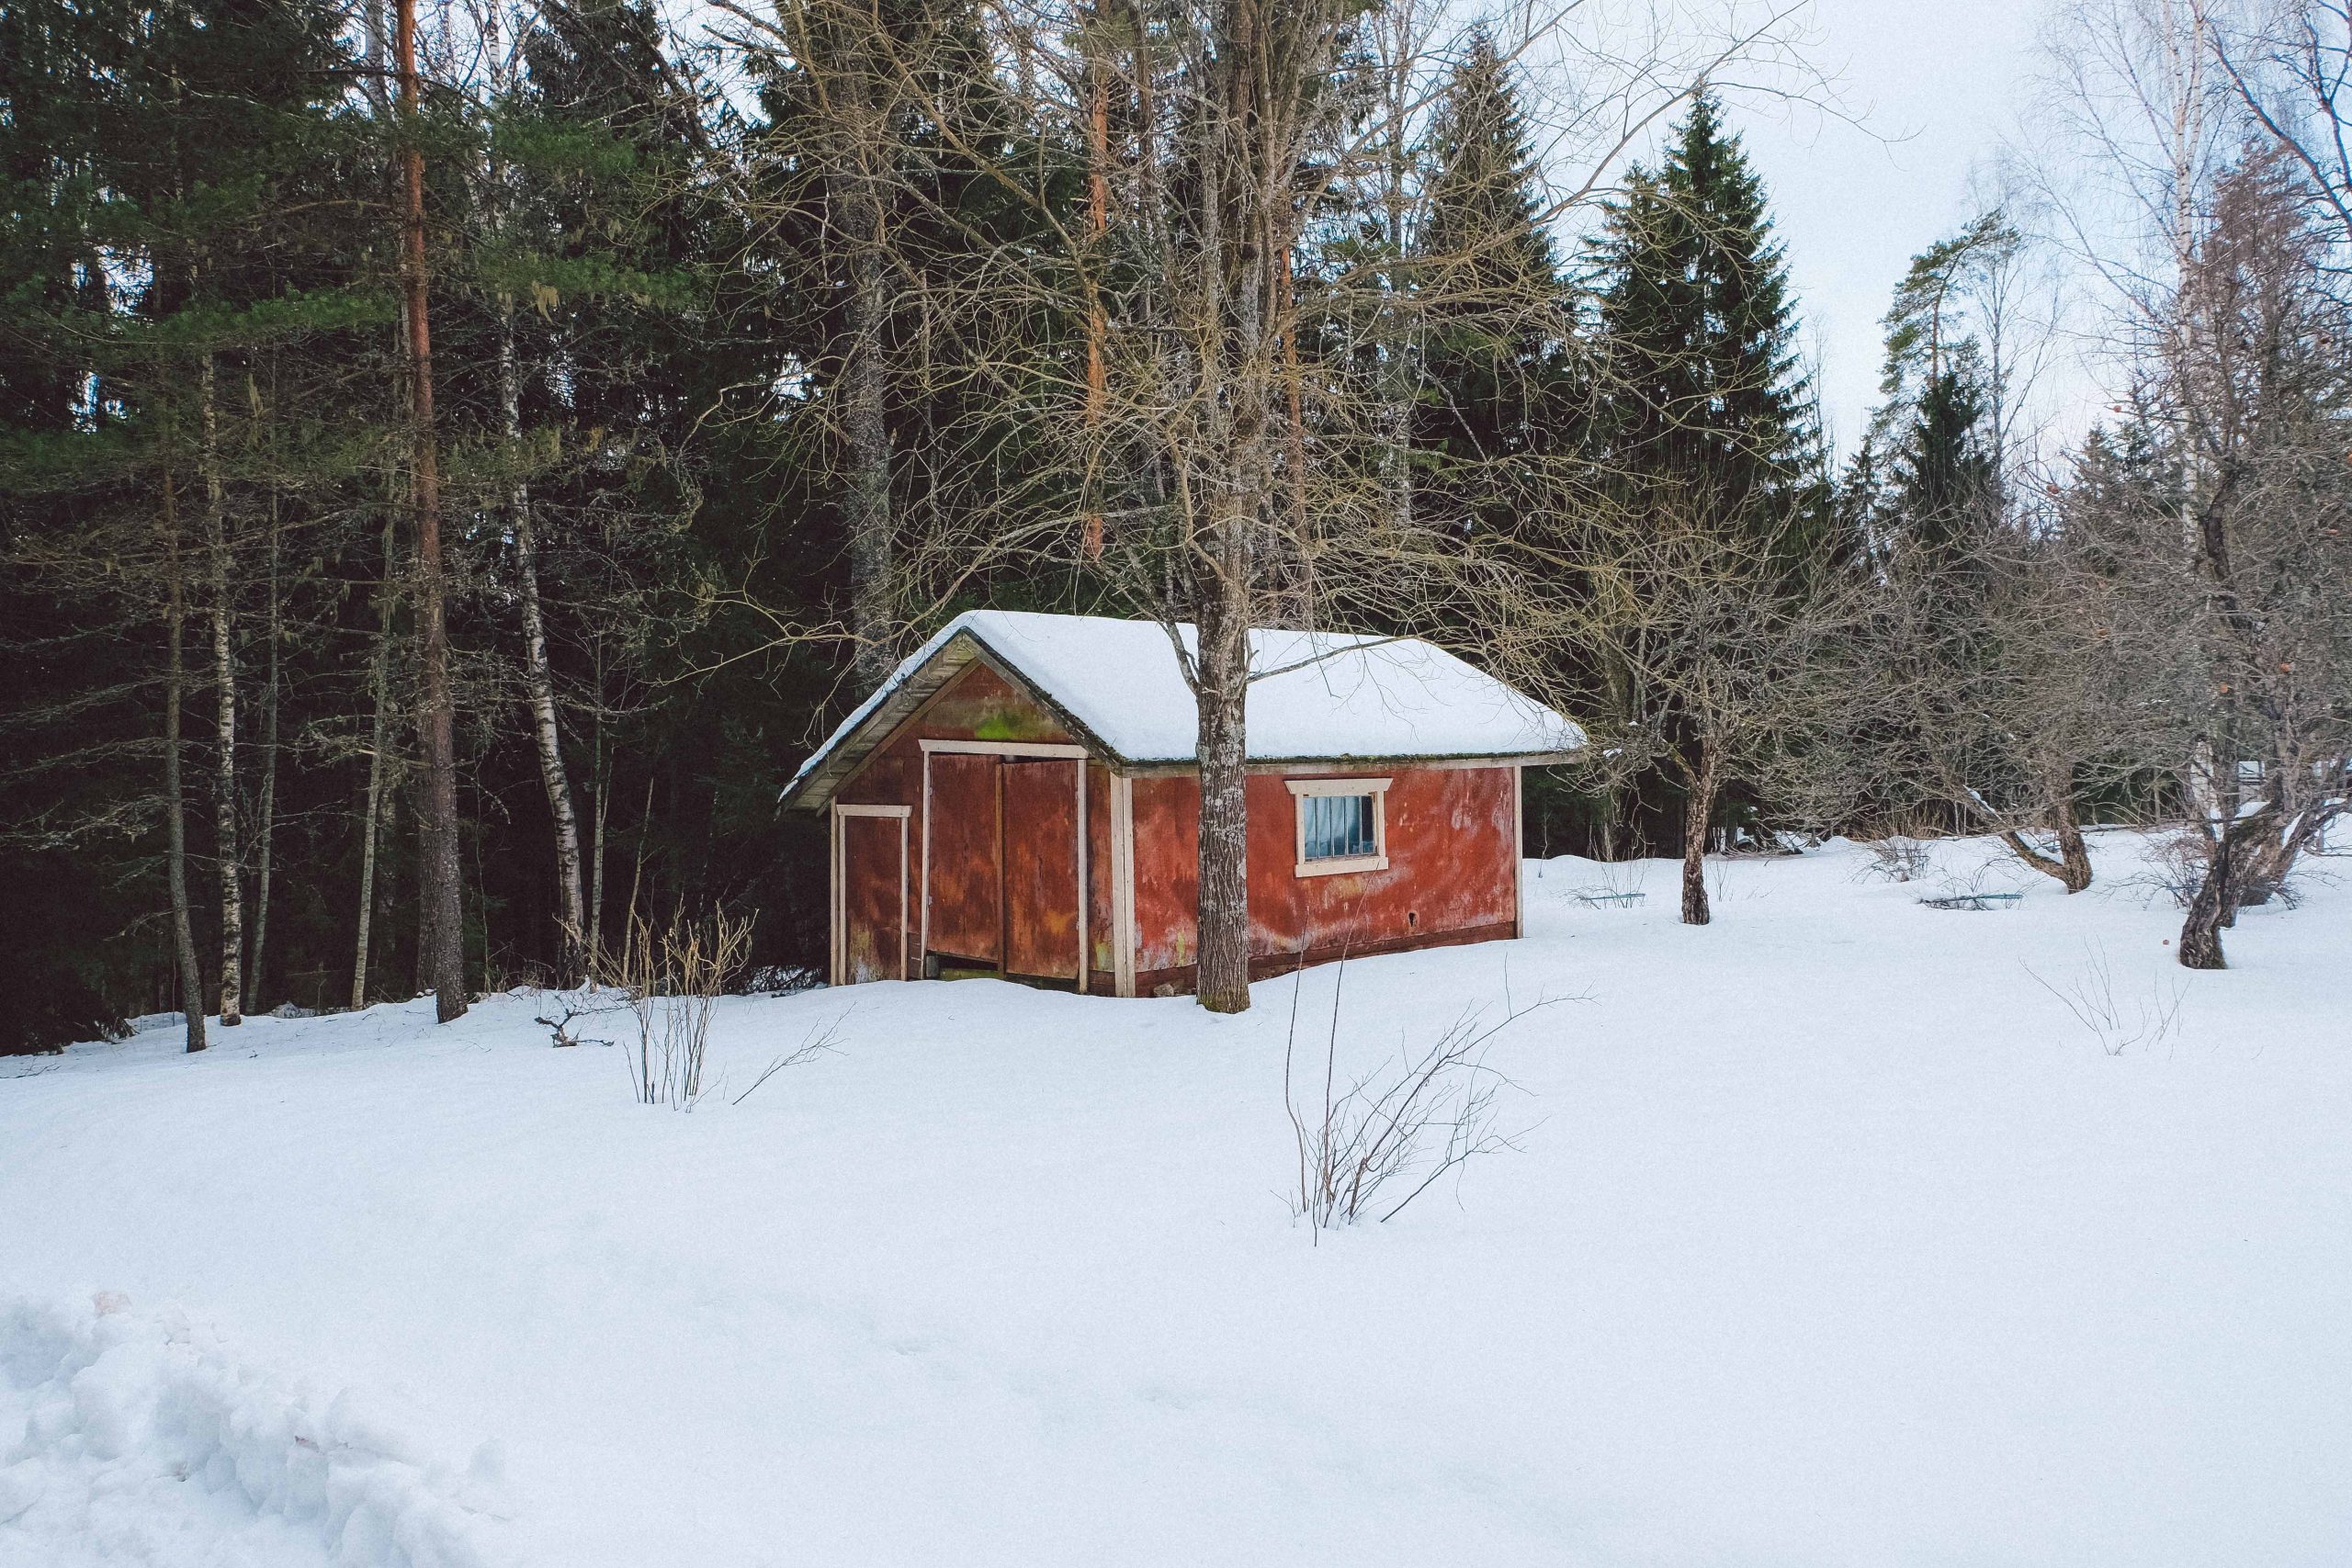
<point>1703,390</point>
<point>1493,364</point>
<point>1705,441</point>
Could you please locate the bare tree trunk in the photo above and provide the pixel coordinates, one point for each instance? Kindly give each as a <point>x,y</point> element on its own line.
<point>1394,336</point>
<point>224,682</point>
<point>174,798</point>
<point>601,766</point>
<point>2215,906</point>
<point>2272,861</point>
<point>443,924</point>
<point>539,678</point>
<point>865,425</point>
<point>1298,583</point>
<point>2201,929</point>
<point>1698,812</point>
<point>1098,226</point>
<point>2072,864</point>
<point>267,819</point>
<point>1222,980</point>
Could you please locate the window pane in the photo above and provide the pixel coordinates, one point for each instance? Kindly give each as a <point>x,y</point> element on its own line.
<point>1339,826</point>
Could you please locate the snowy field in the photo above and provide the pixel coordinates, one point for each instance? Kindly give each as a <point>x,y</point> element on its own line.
<point>1834,1239</point>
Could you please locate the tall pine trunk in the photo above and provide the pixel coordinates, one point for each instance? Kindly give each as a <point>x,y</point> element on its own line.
<point>175,796</point>
<point>224,682</point>
<point>441,923</point>
<point>538,679</point>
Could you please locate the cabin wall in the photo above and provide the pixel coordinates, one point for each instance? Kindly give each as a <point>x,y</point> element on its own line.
<point>1451,835</point>
<point>980,705</point>
<point>1453,874</point>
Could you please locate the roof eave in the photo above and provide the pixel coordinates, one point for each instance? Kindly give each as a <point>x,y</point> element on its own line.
<point>814,790</point>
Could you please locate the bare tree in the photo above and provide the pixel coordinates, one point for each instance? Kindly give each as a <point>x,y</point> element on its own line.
<point>2233,521</point>
<point>1732,667</point>
<point>1216,429</point>
<point>2289,64</point>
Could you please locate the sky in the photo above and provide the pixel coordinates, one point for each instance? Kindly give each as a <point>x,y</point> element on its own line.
<point>1935,86</point>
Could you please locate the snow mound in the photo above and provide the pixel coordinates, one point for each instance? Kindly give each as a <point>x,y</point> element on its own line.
<point>143,1443</point>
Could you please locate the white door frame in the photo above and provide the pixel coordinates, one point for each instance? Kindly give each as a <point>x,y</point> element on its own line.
<point>839,890</point>
<point>1022,751</point>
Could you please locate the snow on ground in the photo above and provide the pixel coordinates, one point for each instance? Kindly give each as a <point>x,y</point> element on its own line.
<point>1834,1239</point>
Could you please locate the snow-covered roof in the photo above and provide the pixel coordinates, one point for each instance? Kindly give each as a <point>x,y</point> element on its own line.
<point>1315,696</point>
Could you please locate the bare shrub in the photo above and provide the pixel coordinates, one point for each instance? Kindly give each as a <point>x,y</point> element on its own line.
<point>668,980</point>
<point>2177,864</point>
<point>1897,858</point>
<point>817,1043</point>
<point>573,1006</point>
<point>1620,885</point>
<point>1400,1126</point>
<point>2117,1024</point>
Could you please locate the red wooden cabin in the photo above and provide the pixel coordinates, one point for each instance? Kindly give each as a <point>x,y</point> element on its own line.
<point>1020,798</point>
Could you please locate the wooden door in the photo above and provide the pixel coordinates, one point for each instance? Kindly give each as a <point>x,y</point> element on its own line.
<point>869,894</point>
<point>964,917</point>
<point>1041,868</point>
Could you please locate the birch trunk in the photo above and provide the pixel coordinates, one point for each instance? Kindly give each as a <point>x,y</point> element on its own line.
<point>224,682</point>
<point>442,925</point>
<point>370,815</point>
<point>540,682</point>
<point>175,799</point>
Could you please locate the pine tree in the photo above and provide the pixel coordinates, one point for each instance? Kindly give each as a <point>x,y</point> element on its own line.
<point>1702,385</point>
<point>1494,365</point>
<point>1938,425</point>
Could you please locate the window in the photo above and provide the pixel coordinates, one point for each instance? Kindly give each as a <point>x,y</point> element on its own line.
<point>1341,825</point>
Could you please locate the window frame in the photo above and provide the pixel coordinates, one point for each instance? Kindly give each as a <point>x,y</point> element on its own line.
<point>1338,865</point>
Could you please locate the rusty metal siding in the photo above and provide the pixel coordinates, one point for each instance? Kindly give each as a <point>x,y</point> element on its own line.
<point>1452,875</point>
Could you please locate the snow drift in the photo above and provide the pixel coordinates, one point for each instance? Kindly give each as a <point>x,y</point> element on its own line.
<point>143,1441</point>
